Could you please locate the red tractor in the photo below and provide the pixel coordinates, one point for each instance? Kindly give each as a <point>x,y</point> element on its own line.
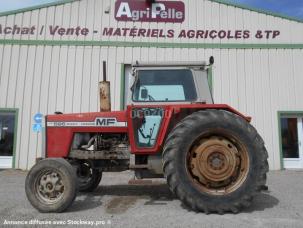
<point>211,156</point>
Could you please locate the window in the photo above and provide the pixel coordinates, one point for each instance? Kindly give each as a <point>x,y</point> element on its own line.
<point>290,140</point>
<point>164,86</point>
<point>7,131</point>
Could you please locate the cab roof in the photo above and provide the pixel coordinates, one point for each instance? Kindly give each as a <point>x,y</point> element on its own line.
<point>169,64</point>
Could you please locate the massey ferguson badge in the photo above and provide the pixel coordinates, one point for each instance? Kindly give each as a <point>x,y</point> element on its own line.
<point>145,11</point>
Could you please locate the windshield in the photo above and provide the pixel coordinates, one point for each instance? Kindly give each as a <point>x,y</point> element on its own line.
<point>164,86</point>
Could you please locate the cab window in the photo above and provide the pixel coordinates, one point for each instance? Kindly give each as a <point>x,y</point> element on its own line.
<point>164,86</point>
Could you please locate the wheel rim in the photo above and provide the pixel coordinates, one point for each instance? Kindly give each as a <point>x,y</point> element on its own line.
<point>49,187</point>
<point>218,164</point>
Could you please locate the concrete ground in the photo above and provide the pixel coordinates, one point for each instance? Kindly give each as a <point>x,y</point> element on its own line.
<point>117,204</point>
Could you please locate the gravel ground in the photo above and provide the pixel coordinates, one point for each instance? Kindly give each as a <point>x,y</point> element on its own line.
<point>117,204</point>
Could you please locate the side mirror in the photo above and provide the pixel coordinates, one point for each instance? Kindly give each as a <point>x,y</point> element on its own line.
<point>144,94</point>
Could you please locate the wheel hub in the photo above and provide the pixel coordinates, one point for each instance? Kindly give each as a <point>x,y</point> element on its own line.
<point>50,187</point>
<point>215,163</point>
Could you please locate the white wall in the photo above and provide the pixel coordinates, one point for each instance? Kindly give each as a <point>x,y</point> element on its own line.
<point>199,15</point>
<point>37,78</point>
<point>46,79</point>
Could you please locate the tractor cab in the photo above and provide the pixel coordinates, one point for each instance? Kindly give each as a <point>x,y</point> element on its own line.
<point>155,85</point>
<point>158,83</point>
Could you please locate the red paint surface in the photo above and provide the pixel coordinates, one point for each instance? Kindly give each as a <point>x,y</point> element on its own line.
<point>59,139</point>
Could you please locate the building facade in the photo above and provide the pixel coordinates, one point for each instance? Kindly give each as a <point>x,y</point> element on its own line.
<point>51,60</point>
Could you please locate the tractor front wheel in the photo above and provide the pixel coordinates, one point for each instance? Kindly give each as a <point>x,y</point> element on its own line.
<point>215,161</point>
<point>51,185</point>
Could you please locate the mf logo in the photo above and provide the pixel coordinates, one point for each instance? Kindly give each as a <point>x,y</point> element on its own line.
<point>106,121</point>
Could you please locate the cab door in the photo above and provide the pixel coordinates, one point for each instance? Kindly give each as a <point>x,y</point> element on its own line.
<point>147,127</point>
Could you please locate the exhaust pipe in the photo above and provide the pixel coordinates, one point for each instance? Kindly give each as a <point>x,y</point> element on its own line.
<point>104,91</point>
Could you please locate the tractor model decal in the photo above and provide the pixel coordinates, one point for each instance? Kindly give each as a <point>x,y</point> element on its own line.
<point>99,122</point>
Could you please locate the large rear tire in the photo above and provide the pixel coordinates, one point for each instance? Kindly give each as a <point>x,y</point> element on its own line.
<point>215,161</point>
<point>51,185</point>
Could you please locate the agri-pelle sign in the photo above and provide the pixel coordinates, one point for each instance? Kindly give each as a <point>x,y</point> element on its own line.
<point>148,11</point>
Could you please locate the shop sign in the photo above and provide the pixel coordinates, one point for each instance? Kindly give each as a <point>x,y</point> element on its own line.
<point>149,11</point>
